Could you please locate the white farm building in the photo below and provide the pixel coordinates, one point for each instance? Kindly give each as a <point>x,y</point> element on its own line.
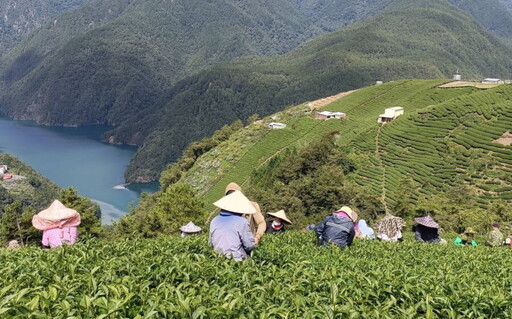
<point>491,81</point>
<point>390,114</point>
<point>276,125</point>
<point>329,115</point>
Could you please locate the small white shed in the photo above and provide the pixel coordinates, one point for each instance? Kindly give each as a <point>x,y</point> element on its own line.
<point>390,114</point>
<point>3,169</point>
<point>276,125</point>
<point>324,115</point>
<point>491,81</point>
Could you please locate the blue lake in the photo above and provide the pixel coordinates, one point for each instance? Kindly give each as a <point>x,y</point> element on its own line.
<point>75,157</point>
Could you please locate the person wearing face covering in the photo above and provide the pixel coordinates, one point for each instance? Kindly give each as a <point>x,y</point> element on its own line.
<point>276,225</point>
<point>365,231</point>
<point>256,221</point>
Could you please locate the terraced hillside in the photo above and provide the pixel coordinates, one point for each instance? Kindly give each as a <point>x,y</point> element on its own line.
<point>445,139</point>
<point>444,146</point>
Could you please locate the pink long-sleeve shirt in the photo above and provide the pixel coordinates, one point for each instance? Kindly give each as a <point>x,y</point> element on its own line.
<point>55,237</point>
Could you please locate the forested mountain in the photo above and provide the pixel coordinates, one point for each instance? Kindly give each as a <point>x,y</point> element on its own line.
<point>111,59</point>
<point>18,18</point>
<point>410,43</point>
<point>143,65</point>
<point>494,15</point>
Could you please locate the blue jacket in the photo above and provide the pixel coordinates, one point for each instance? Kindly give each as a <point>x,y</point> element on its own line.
<point>337,230</point>
<point>231,236</point>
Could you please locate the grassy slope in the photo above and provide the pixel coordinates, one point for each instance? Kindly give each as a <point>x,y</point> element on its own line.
<point>35,190</point>
<point>443,140</point>
<point>288,276</point>
<point>235,159</point>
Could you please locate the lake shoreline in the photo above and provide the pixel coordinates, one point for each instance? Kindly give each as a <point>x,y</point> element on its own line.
<point>76,157</point>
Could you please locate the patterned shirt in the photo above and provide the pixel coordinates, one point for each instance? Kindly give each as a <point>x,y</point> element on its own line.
<point>494,238</point>
<point>55,237</point>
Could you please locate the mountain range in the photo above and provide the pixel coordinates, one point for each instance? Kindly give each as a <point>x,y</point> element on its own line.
<point>19,18</point>
<point>151,68</point>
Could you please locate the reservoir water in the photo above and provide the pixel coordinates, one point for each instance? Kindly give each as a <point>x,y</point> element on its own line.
<point>75,157</point>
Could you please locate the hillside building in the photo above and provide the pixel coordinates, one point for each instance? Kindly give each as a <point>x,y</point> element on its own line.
<point>390,114</point>
<point>325,115</point>
<point>457,77</point>
<point>378,82</point>
<point>3,169</point>
<point>491,81</point>
<point>276,125</point>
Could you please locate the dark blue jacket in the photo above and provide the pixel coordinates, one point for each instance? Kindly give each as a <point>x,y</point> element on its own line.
<point>337,230</point>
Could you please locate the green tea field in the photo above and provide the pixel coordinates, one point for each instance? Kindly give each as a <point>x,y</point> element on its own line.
<point>444,139</point>
<point>287,277</point>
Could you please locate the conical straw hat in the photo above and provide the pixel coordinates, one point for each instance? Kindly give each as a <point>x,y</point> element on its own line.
<point>57,211</point>
<point>232,187</point>
<point>57,215</point>
<point>427,221</point>
<point>190,228</point>
<point>281,215</point>
<point>236,202</point>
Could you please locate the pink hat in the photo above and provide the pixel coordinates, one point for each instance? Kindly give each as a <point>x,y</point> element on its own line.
<point>55,216</point>
<point>427,221</point>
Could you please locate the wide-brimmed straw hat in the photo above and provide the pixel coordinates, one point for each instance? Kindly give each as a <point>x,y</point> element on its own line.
<point>426,221</point>
<point>232,187</point>
<point>190,228</point>
<point>469,230</point>
<point>57,215</point>
<point>236,202</point>
<point>281,215</point>
<point>352,214</point>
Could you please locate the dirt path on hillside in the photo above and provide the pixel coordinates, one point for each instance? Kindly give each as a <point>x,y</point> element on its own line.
<point>328,100</point>
<point>377,153</point>
<point>460,84</point>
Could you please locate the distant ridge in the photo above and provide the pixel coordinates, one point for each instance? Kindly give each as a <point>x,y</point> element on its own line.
<point>127,70</point>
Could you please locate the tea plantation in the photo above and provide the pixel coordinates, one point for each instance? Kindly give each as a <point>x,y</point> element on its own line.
<point>444,146</point>
<point>445,139</point>
<point>287,277</point>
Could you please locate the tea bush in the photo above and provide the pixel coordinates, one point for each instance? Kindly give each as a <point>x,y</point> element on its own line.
<point>287,277</point>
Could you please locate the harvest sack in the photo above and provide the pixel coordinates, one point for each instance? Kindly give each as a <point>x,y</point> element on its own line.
<point>56,216</point>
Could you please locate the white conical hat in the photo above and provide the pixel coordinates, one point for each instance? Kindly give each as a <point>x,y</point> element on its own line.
<point>236,202</point>
<point>57,211</point>
<point>190,228</point>
<point>281,215</point>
